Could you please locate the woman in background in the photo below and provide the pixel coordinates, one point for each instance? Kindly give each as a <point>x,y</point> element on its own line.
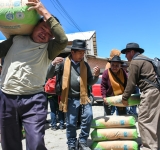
<point>113,83</point>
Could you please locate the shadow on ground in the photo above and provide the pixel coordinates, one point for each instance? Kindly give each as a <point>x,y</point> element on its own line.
<point>47,126</point>
<point>97,103</point>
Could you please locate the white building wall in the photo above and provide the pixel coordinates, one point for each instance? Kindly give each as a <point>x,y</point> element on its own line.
<point>90,46</point>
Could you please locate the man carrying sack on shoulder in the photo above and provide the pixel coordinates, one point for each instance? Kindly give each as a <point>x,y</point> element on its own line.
<point>23,101</point>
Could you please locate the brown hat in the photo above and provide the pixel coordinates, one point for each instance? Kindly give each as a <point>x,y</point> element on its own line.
<point>114,52</point>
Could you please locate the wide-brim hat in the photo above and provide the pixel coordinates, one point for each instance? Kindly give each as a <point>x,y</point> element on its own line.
<point>79,45</point>
<point>116,59</point>
<point>132,46</point>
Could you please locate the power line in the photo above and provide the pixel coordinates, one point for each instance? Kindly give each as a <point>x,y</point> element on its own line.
<point>70,18</point>
<point>65,12</point>
<point>61,13</point>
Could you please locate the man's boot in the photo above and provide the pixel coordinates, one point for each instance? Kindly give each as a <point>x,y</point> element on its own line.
<point>83,146</point>
<point>71,148</point>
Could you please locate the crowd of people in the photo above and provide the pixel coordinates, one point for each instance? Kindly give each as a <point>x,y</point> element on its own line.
<point>114,82</point>
<point>31,60</point>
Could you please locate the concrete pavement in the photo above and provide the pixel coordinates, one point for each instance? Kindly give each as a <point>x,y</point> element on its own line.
<point>56,140</point>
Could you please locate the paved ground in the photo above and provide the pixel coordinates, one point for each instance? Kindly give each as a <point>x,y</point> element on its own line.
<point>56,140</point>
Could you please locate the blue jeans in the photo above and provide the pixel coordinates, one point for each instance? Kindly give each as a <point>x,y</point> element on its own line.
<point>109,110</point>
<point>74,107</point>
<point>132,110</point>
<point>55,110</point>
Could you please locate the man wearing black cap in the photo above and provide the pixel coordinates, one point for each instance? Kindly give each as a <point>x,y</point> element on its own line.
<point>76,78</point>
<point>149,108</point>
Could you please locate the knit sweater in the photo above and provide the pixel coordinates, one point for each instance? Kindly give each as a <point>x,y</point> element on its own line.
<point>74,87</point>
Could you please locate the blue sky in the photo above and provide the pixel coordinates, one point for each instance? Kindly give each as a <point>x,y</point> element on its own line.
<point>116,22</point>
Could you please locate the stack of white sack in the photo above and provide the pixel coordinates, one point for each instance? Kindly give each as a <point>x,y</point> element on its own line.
<point>114,133</point>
